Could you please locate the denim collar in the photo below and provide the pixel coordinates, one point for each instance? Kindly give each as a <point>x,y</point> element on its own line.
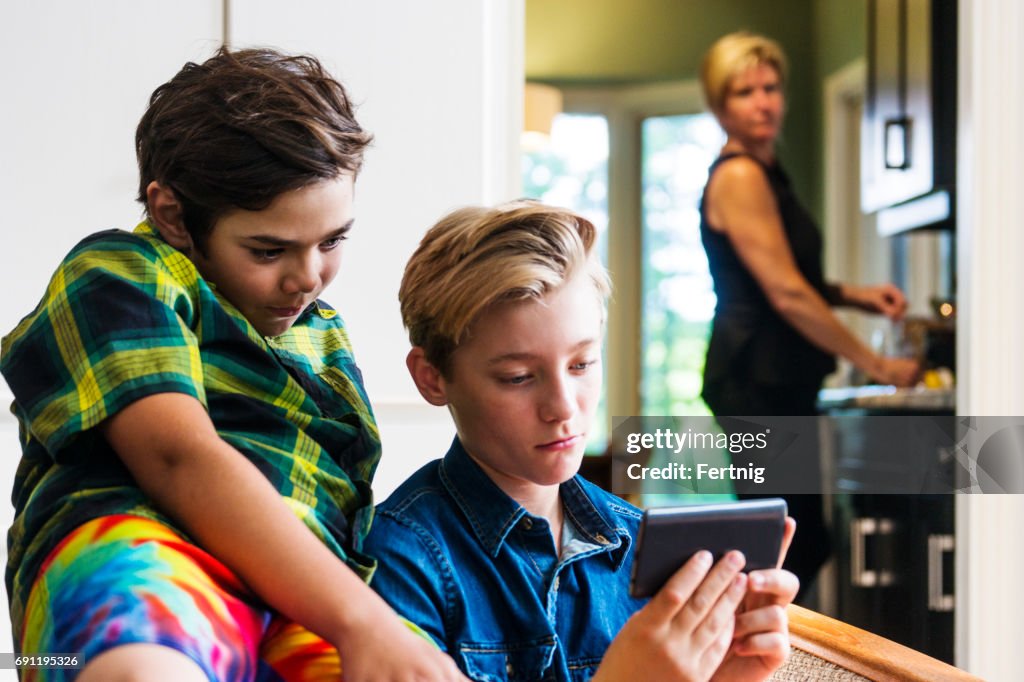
<point>493,514</point>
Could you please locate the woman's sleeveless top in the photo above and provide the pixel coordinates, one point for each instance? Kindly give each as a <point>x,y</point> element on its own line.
<point>749,340</point>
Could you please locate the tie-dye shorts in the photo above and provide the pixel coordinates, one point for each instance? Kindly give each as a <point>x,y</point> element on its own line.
<point>126,579</point>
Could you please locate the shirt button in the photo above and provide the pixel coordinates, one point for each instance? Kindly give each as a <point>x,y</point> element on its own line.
<point>527,522</point>
<point>601,539</point>
<point>508,668</point>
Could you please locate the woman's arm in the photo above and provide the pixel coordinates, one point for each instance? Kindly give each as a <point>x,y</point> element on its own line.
<point>173,451</point>
<point>883,299</point>
<point>740,203</point>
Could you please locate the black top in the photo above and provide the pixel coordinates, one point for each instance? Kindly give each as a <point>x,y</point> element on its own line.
<point>749,340</point>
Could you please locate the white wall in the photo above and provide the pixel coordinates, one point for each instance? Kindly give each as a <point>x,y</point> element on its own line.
<point>76,78</point>
<point>75,81</point>
<point>990,325</point>
<point>439,84</point>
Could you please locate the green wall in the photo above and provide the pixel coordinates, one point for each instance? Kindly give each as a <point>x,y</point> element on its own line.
<point>610,41</point>
<point>840,28</point>
<point>575,42</point>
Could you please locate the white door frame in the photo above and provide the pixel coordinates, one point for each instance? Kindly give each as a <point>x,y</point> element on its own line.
<point>990,324</point>
<point>626,107</point>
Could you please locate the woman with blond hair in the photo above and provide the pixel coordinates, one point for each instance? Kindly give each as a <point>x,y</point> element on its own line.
<point>774,337</point>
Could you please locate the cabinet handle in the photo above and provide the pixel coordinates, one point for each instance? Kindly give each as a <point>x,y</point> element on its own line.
<point>860,528</point>
<point>937,599</point>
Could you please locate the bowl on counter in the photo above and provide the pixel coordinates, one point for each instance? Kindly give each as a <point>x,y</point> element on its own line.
<point>930,340</point>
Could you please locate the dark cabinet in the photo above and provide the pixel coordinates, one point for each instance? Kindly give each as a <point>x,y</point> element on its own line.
<point>894,552</point>
<point>895,568</point>
<point>908,133</point>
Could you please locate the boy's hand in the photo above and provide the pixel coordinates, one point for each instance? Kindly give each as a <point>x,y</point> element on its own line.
<point>384,649</point>
<point>170,446</point>
<point>684,632</point>
<point>761,637</point>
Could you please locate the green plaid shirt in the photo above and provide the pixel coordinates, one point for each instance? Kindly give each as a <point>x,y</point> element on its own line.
<point>125,316</point>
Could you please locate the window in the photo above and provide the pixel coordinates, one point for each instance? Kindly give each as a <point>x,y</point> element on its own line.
<point>678,301</point>
<point>634,161</point>
<point>571,170</point>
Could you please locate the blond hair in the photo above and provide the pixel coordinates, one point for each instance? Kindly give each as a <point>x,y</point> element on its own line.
<point>476,257</point>
<point>733,54</point>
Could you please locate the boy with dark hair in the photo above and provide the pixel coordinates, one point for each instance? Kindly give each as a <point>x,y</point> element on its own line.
<point>514,564</point>
<point>197,443</point>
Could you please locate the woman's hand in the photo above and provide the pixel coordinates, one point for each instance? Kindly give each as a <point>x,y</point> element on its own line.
<point>896,371</point>
<point>684,632</point>
<point>883,299</point>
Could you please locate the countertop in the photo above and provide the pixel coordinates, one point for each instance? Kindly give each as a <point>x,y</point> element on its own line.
<point>887,398</point>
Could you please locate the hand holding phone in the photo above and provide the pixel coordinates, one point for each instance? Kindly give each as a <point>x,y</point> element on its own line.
<point>686,631</point>
<point>669,536</point>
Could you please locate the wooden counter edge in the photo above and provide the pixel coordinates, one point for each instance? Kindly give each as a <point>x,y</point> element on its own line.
<point>864,653</point>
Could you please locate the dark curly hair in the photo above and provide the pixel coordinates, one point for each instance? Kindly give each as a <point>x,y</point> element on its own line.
<point>243,127</point>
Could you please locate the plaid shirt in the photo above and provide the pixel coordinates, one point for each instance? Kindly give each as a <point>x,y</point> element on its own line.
<point>125,316</point>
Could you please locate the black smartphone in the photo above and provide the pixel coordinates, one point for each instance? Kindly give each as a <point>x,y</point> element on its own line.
<point>669,536</point>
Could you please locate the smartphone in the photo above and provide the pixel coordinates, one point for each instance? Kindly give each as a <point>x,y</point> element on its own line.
<point>669,536</point>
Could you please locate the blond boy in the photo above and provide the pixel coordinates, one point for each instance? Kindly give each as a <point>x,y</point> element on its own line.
<point>515,565</point>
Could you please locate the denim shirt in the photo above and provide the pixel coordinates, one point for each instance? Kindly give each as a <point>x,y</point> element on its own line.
<point>468,564</point>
